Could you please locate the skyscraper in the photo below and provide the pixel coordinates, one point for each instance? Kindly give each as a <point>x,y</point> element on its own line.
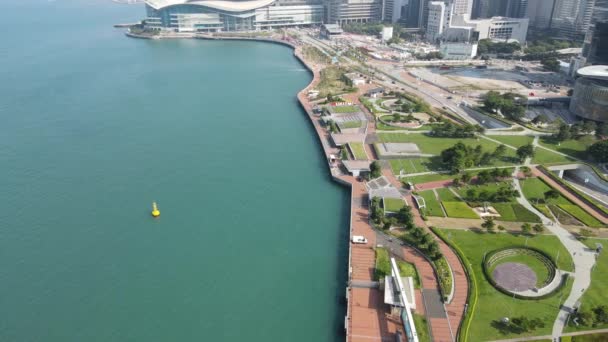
<point>540,12</point>
<point>516,8</point>
<point>572,17</point>
<point>463,7</point>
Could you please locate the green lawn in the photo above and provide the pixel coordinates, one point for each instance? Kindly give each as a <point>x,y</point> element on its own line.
<point>573,147</point>
<point>358,150</point>
<point>350,124</point>
<point>432,145</point>
<point>415,165</point>
<point>514,212</point>
<point>345,109</point>
<point>581,215</point>
<point>383,267</point>
<point>433,208</point>
<point>542,156</point>
<point>393,204</point>
<point>493,305</point>
<point>534,189</point>
<point>421,328</point>
<point>446,195</point>
<point>428,178</point>
<point>513,140</point>
<point>459,210</point>
<point>596,293</point>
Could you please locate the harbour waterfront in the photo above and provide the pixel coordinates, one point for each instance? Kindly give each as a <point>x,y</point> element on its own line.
<point>97,126</point>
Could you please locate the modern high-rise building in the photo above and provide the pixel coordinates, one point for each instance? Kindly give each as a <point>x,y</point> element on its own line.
<point>595,48</point>
<point>516,8</point>
<point>438,20</point>
<point>223,15</point>
<point>463,8</point>
<point>393,10</point>
<point>414,14</point>
<point>540,12</point>
<point>590,97</point>
<point>571,18</point>
<point>353,11</point>
<point>600,11</point>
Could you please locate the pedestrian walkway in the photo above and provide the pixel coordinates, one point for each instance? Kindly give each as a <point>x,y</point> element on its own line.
<point>583,259</point>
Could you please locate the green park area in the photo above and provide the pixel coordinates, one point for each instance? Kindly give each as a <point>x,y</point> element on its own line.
<point>506,206</point>
<point>544,156</point>
<point>491,305</point>
<point>513,140</point>
<point>534,189</point>
<point>596,295</point>
<point>427,178</point>
<point>433,207</point>
<point>383,267</point>
<point>422,328</point>
<point>350,124</point>
<point>358,151</point>
<point>454,206</point>
<point>393,204</point>
<point>345,109</point>
<point>332,82</point>
<point>415,165</point>
<point>576,148</point>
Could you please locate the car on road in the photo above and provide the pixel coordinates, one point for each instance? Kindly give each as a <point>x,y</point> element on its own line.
<point>359,239</point>
<point>449,97</point>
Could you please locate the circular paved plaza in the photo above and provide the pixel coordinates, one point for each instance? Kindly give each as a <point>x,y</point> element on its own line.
<point>514,276</point>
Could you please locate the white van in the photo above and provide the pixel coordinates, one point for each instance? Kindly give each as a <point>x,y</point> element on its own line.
<point>359,239</point>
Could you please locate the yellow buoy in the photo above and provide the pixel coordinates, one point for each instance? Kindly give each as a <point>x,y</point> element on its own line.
<point>155,211</point>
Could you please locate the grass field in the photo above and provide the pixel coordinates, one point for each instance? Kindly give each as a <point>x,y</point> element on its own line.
<point>574,147</point>
<point>415,165</point>
<point>332,82</point>
<point>358,150</point>
<point>433,208</point>
<point>345,109</point>
<point>534,189</point>
<point>515,212</point>
<point>513,140</point>
<point>383,267</point>
<point>542,156</point>
<point>393,204</point>
<point>432,145</point>
<point>493,305</point>
<point>581,215</point>
<point>596,293</point>
<point>446,195</point>
<point>428,178</point>
<point>421,328</point>
<point>459,210</point>
<point>350,124</point>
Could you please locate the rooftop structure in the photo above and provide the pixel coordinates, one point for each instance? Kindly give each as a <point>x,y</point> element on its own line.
<point>590,97</point>
<point>226,15</point>
<point>331,30</point>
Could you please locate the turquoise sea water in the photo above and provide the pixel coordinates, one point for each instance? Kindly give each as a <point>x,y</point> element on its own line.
<point>252,241</point>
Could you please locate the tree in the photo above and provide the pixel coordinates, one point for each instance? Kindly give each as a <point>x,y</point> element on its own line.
<point>601,314</point>
<point>426,239</point>
<point>501,228</point>
<point>405,216</point>
<point>602,130</point>
<point>526,170</point>
<point>525,151</point>
<point>488,224</point>
<point>550,63</point>
<point>500,151</point>
<point>589,127</point>
<point>471,194</point>
<point>526,228</point>
<point>563,133</point>
<point>538,228</point>
<point>505,173</point>
<point>484,177</point>
<point>377,213</point>
<point>541,119</point>
<point>456,182</point>
<point>434,251</point>
<point>375,169</point>
<point>466,177</point>
<point>551,195</point>
<point>599,151</point>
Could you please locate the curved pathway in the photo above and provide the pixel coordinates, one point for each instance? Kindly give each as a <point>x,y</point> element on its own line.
<point>583,259</point>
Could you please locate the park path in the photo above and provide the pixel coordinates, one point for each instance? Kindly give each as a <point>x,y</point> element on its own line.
<point>548,337</point>
<point>583,258</point>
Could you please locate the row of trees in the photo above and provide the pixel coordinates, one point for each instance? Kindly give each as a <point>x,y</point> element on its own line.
<point>599,151</point>
<point>483,177</point>
<point>461,156</point>
<point>403,217</point>
<point>566,132</point>
<point>450,130</point>
<point>509,104</point>
<point>485,46</point>
<point>502,194</point>
<point>596,316</point>
<point>490,226</point>
<point>425,242</point>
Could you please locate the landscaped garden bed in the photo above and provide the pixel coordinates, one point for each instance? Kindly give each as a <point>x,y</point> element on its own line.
<point>358,151</point>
